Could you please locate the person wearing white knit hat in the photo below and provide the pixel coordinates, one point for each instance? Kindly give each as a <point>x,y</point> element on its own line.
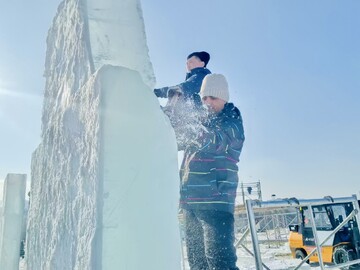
<point>209,179</point>
<point>214,92</point>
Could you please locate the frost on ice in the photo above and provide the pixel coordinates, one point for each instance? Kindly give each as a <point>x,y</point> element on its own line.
<point>104,188</point>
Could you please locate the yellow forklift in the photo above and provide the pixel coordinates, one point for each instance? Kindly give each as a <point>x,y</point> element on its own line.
<point>337,234</point>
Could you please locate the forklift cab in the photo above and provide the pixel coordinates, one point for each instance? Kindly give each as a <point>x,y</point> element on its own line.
<point>341,246</point>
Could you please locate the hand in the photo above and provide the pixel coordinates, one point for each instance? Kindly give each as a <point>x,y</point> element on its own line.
<point>176,90</point>
<point>158,92</point>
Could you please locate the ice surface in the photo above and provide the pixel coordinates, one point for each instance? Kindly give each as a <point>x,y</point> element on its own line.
<point>104,188</point>
<point>117,35</point>
<point>141,182</point>
<point>63,214</point>
<point>11,220</point>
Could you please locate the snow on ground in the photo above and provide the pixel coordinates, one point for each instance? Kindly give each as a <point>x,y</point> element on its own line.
<point>277,258</point>
<point>272,257</point>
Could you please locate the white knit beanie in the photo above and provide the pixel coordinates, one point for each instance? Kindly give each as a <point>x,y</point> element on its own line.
<point>215,85</point>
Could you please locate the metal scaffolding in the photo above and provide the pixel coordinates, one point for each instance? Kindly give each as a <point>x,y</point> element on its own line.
<point>293,202</point>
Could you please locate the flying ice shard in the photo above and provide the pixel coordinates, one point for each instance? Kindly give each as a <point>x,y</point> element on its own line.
<point>104,188</point>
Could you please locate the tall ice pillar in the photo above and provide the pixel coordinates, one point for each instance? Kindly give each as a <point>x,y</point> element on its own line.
<point>12,221</point>
<point>105,184</point>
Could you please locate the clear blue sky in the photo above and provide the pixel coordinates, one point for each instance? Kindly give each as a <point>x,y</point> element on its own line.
<point>293,68</point>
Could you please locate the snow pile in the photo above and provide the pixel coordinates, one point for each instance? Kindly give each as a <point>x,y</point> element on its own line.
<point>104,178</point>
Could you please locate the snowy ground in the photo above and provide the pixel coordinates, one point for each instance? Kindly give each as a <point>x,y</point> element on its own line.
<point>274,257</point>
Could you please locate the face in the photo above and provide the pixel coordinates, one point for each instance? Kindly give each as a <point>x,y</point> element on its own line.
<point>194,62</point>
<point>214,104</point>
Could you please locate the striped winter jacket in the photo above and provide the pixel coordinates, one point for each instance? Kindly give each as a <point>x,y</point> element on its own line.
<point>209,172</point>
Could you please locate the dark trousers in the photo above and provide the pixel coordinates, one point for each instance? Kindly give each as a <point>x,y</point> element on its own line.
<point>210,240</point>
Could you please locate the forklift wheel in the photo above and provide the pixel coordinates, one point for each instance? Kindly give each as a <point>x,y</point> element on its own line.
<point>300,254</point>
<point>342,254</point>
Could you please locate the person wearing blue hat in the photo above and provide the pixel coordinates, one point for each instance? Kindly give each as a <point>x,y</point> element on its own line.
<point>189,89</point>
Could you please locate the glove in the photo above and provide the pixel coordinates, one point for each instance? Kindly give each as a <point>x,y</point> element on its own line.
<point>175,90</point>
<point>161,92</point>
<point>158,92</point>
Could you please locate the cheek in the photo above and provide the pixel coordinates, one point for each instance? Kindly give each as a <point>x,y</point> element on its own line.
<point>210,105</point>
<point>206,102</point>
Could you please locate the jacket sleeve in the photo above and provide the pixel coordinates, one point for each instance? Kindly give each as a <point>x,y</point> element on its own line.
<point>192,85</point>
<point>161,92</point>
<point>228,137</point>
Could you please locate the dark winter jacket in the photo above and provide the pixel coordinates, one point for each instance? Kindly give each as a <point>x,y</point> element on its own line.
<point>190,88</point>
<point>209,172</point>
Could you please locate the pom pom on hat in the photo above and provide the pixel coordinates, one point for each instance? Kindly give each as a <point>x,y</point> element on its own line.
<point>215,85</point>
<point>203,56</point>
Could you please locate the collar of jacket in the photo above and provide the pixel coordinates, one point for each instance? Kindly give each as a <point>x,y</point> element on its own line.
<point>229,111</point>
<point>198,70</point>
